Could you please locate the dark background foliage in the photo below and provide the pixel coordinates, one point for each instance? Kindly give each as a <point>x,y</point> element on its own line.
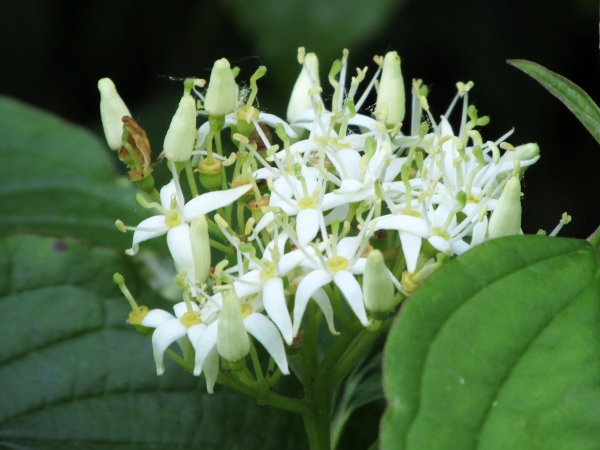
<point>55,51</point>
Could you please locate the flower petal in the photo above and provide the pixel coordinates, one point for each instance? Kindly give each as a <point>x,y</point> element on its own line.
<point>149,228</point>
<point>401,222</point>
<point>180,246</point>
<point>411,246</point>
<point>275,305</point>
<point>346,282</point>
<point>322,300</point>
<point>205,346</point>
<point>211,370</point>
<point>212,201</point>
<point>307,225</point>
<point>181,308</point>
<point>163,336</point>
<point>156,318</point>
<point>309,284</point>
<point>272,120</point>
<point>267,334</point>
<point>248,284</point>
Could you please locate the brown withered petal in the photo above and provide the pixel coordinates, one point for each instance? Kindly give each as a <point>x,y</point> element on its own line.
<point>254,136</point>
<point>140,140</point>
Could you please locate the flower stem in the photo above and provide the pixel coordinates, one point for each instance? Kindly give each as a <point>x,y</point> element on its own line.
<point>189,172</point>
<point>594,238</point>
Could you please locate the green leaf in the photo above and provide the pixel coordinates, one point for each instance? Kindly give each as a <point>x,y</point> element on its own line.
<point>499,350</point>
<point>573,97</point>
<point>56,179</point>
<point>73,374</point>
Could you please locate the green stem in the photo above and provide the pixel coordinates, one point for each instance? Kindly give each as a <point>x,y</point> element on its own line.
<point>222,247</point>
<point>352,355</point>
<point>594,238</point>
<point>189,172</point>
<point>271,398</point>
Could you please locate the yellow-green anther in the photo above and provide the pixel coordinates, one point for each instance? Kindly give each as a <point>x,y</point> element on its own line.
<point>478,154</point>
<point>506,218</point>
<point>378,290</point>
<point>482,121</point>
<point>309,77</point>
<point>335,69</point>
<point>391,90</point>
<point>221,96</point>
<point>260,72</point>
<point>200,248</point>
<point>370,146</point>
<point>233,343</point>
<point>112,110</point>
<point>181,135</point>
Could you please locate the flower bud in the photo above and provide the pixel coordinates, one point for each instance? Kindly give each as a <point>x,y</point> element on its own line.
<point>506,218</point>
<point>181,135</point>
<point>300,100</point>
<point>112,110</point>
<point>523,152</point>
<point>200,248</point>
<point>221,96</point>
<point>233,342</point>
<point>390,97</point>
<point>378,290</point>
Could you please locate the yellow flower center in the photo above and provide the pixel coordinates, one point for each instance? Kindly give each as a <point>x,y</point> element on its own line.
<point>246,310</point>
<point>172,219</point>
<point>441,233</point>
<point>307,203</point>
<point>337,263</point>
<point>269,272</point>
<point>136,318</point>
<point>190,318</point>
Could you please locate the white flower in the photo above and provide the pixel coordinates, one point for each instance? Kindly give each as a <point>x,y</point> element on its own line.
<point>341,262</point>
<point>255,323</point>
<point>171,328</point>
<point>176,212</point>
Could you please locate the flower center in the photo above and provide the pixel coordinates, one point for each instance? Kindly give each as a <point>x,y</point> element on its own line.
<point>337,263</point>
<point>246,310</point>
<point>190,318</point>
<point>268,270</point>
<point>307,203</point>
<point>172,219</point>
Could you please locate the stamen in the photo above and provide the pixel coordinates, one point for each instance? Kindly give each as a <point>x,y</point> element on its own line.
<point>563,221</point>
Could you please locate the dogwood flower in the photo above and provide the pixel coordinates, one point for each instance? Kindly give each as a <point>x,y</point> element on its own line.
<point>169,328</point>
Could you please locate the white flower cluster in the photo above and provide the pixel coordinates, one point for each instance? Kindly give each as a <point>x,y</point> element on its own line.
<point>339,205</point>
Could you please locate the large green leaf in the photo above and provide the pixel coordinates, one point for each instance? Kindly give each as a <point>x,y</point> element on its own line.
<point>73,374</point>
<point>499,350</point>
<point>574,98</point>
<point>56,179</point>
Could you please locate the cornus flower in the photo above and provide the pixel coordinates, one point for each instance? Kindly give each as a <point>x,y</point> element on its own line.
<point>169,329</point>
<point>174,222</point>
<point>339,264</point>
<point>346,200</point>
<point>227,336</point>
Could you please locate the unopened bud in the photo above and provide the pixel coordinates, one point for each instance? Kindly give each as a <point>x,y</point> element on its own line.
<point>200,248</point>
<point>112,110</point>
<point>390,97</point>
<point>233,342</point>
<point>378,290</point>
<point>523,152</point>
<point>506,218</point>
<point>181,135</point>
<point>300,100</point>
<point>221,96</point>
